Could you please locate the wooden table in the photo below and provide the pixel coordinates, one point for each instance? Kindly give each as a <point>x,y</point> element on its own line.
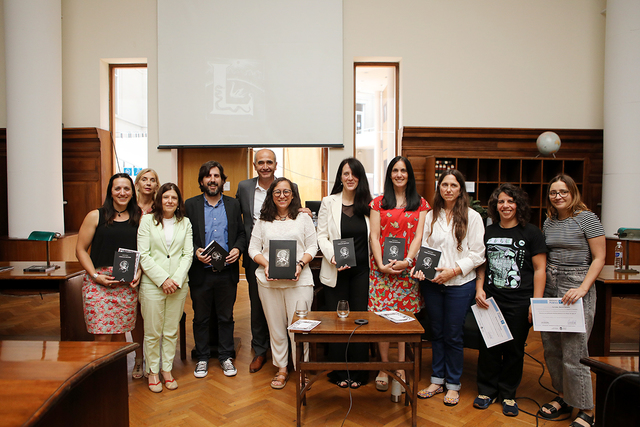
<point>336,330</point>
<point>610,284</point>
<point>67,280</point>
<point>51,383</point>
<point>622,405</point>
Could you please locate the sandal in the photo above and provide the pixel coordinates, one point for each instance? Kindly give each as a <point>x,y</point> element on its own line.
<point>157,386</point>
<point>136,374</point>
<point>342,383</point>
<point>169,382</point>
<point>426,394</point>
<point>452,401</point>
<point>382,383</point>
<point>583,416</point>
<point>400,374</point>
<point>553,411</point>
<point>355,384</point>
<point>280,380</point>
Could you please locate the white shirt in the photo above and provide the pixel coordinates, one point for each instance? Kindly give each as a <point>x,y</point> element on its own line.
<point>443,239</point>
<point>258,200</point>
<point>168,229</point>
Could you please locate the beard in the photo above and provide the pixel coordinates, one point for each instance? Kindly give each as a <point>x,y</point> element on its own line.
<point>212,192</point>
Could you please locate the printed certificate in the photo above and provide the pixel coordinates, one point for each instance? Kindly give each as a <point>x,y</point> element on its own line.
<point>551,315</point>
<point>491,323</point>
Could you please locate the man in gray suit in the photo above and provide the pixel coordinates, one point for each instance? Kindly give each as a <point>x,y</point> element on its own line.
<point>251,194</point>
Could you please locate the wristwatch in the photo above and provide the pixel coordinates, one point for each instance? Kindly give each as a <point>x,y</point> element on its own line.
<point>301,264</point>
<point>410,261</point>
<point>95,275</point>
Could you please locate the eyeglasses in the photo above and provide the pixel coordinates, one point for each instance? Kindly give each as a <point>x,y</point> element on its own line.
<point>278,193</point>
<point>561,193</point>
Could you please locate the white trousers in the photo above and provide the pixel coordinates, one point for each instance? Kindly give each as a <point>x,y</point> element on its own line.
<point>279,306</point>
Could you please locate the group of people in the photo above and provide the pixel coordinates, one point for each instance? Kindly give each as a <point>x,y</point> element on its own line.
<point>510,261</point>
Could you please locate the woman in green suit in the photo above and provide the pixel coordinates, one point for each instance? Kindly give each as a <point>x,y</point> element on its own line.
<point>165,243</point>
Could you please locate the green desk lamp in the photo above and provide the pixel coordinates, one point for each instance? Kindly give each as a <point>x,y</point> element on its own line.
<point>43,236</point>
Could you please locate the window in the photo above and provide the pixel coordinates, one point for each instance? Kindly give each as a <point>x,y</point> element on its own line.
<point>376,107</point>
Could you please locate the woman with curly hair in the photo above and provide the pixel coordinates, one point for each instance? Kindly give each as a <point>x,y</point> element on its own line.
<point>513,273</point>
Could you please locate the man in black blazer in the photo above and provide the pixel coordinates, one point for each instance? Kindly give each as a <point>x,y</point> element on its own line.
<point>251,194</point>
<point>217,217</point>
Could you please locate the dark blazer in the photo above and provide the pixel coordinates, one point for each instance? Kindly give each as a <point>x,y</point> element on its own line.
<point>237,237</point>
<point>246,196</point>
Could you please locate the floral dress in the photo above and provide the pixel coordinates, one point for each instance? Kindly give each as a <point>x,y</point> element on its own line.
<point>395,291</point>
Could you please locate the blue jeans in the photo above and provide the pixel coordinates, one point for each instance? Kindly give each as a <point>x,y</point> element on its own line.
<point>447,307</point>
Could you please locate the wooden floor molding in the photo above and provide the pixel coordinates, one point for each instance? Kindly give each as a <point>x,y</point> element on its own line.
<point>248,400</point>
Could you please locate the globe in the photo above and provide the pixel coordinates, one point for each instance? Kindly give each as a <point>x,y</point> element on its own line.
<point>548,143</point>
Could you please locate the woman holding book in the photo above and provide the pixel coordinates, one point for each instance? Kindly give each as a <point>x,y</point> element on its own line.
<point>280,219</point>
<point>457,231</point>
<point>109,306</point>
<point>513,273</point>
<point>146,184</point>
<point>165,242</point>
<point>577,249</point>
<point>398,213</point>
<point>345,214</point>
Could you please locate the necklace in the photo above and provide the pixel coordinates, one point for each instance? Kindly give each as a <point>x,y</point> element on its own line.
<point>282,218</point>
<point>119,212</point>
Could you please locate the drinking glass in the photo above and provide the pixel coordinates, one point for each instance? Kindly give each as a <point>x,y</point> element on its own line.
<point>343,309</point>
<point>301,308</point>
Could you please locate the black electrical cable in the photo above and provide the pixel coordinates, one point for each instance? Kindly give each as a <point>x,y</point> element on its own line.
<point>606,398</point>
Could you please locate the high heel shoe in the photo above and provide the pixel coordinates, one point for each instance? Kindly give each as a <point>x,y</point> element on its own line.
<point>382,382</point>
<point>170,384</point>
<point>155,387</point>
<point>136,374</point>
<point>403,378</point>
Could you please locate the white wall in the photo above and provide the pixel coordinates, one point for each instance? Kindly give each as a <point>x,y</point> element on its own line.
<point>485,63</point>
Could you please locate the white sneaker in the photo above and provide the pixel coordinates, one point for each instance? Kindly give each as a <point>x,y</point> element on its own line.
<point>227,368</point>
<point>202,369</point>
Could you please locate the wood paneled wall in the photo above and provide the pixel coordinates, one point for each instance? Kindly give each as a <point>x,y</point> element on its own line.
<point>233,161</point>
<point>499,143</point>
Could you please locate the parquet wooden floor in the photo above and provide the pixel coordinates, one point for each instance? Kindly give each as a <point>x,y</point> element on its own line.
<point>248,400</point>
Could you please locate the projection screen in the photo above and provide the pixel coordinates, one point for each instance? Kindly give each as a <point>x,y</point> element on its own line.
<point>250,73</point>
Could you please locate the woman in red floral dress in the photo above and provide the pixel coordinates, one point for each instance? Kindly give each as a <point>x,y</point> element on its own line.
<point>399,212</point>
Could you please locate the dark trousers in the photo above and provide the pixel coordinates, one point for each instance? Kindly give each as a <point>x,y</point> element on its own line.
<point>259,328</point>
<point>353,286</point>
<point>447,307</point>
<point>217,290</point>
<point>500,367</point>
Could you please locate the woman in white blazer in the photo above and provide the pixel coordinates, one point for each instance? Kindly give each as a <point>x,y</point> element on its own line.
<point>344,214</point>
<point>165,243</point>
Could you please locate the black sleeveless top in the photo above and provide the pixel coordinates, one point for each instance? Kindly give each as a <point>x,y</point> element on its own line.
<point>355,226</point>
<point>108,238</point>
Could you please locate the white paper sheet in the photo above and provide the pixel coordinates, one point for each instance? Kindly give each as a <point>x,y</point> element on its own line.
<point>551,315</point>
<point>491,323</point>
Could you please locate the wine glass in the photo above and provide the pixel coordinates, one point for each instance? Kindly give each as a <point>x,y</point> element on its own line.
<point>301,308</point>
<point>343,309</point>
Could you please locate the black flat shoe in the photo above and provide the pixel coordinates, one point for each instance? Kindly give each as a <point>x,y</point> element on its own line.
<point>553,411</point>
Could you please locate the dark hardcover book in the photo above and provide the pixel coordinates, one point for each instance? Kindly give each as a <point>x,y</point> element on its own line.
<point>393,249</point>
<point>217,253</point>
<point>282,259</point>
<point>427,261</point>
<point>124,266</point>
<point>345,252</point>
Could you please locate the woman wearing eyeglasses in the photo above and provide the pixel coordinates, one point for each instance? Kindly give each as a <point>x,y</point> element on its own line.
<point>280,219</point>
<point>576,242</point>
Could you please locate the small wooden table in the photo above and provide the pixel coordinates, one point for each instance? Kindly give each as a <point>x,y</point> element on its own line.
<point>622,405</point>
<point>336,330</point>
<point>51,383</point>
<point>610,284</point>
<point>67,280</point>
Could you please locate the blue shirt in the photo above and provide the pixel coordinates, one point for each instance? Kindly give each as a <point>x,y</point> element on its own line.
<point>216,226</point>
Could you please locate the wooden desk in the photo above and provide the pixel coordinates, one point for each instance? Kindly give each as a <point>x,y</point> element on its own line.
<point>51,383</point>
<point>622,405</point>
<point>67,280</point>
<point>333,330</point>
<point>610,284</point>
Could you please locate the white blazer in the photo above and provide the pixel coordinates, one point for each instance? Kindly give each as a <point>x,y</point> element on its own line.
<point>328,230</point>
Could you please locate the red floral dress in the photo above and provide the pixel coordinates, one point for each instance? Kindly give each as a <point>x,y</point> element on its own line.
<point>395,291</point>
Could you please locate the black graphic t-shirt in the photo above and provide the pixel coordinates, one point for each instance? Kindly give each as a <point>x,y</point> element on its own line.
<point>509,273</point>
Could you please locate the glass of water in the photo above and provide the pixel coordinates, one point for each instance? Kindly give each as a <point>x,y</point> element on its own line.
<point>301,308</point>
<point>343,309</point>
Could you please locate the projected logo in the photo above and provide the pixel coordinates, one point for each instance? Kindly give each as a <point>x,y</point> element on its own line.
<point>237,85</point>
